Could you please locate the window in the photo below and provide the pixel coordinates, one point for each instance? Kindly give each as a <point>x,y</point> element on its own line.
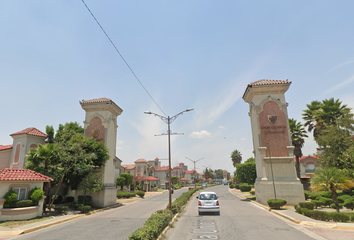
<point>21,193</point>
<point>310,167</point>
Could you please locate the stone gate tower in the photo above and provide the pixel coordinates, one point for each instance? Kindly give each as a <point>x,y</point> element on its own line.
<point>270,127</point>
<point>101,124</point>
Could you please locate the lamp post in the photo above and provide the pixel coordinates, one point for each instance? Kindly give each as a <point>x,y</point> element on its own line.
<point>195,183</point>
<point>169,120</point>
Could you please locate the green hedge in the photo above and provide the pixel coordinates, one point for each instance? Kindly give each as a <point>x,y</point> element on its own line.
<point>343,198</point>
<point>308,205</point>
<point>326,194</point>
<point>154,226</point>
<point>121,194</point>
<point>19,204</point>
<point>327,201</point>
<point>61,209</point>
<point>349,203</point>
<point>245,188</point>
<point>84,209</point>
<point>318,203</point>
<point>276,203</point>
<point>141,194</point>
<point>322,215</point>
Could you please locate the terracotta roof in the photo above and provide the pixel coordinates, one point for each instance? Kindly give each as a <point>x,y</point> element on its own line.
<point>141,161</point>
<point>9,174</point>
<point>203,179</point>
<point>129,166</point>
<point>161,169</point>
<point>263,82</point>
<point>304,157</point>
<point>177,167</point>
<point>138,177</point>
<point>150,178</point>
<point>5,147</point>
<point>190,172</point>
<point>99,100</point>
<point>181,163</point>
<point>184,179</point>
<point>118,158</point>
<point>31,131</point>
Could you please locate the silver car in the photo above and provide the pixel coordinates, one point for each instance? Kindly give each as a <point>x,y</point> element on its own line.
<point>208,202</point>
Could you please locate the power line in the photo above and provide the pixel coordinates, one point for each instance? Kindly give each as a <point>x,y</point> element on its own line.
<point>122,57</point>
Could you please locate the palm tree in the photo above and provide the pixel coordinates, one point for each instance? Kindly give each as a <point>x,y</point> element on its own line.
<point>236,157</point>
<point>332,180</point>
<point>298,133</point>
<point>318,115</point>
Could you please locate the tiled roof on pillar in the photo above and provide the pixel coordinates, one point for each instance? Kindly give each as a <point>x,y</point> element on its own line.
<point>30,131</point>
<point>141,160</point>
<point>268,82</point>
<point>99,100</point>
<point>9,174</point>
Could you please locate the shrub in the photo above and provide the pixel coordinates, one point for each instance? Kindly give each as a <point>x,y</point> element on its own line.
<point>327,201</point>
<point>88,200</point>
<point>237,186</point>
<point>61,209</point>
<point>276,203</point>
<point>339,217</point>
<point>326,194</point>
<point>317,203</point>
<point>141,194</point>
<point>231,185</point>
<point>320,215</point>
<point>153,226</point>
<point>313,196</point>
<point>77,206</point>
<point>245,188</point>
<point>57,198</point>
<point>69,199</point>
<point>84,209</point>
<point>340,206</point>
<point>36,194</point>
<point>121,194</point>
<point>343,198</point>
<point>24,203</point>
<point>306,194</point>
<point>308,205</point>
<point>71,204</point>
<point>252,192</point>
<point>349,203</point>
<point>10,196</point>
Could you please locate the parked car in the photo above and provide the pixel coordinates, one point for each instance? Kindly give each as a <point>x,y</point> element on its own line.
<point>204,185</point>
<point>208,203</point>
<point>191,186</point>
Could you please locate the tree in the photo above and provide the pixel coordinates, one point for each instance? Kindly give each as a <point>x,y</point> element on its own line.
<point>332,180</point>
<point>208,173</point>
<point>120,181</point>
<point>174,180</point>
<point>236,157</point>
<point>219,173</point>
<point>91,183</point>
<point>319,115</point>
<point>298,133</point>
<point>251,160</point>
<point>70,153</point>
<point>245,173</point>
<point>128,179</point>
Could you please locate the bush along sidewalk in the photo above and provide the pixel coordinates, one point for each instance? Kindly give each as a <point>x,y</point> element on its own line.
<point>322,215</point>
<point>158,221</point>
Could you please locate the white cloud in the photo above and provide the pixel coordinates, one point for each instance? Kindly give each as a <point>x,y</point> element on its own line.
<point>343,64</point>
<point>222,127</point>
<point>120,142</point>
<point>243,139</point>
<point>201,134</point>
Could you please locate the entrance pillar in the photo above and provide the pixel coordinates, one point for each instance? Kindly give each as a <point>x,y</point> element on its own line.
<point>101,124</point>
<point>271,134</point>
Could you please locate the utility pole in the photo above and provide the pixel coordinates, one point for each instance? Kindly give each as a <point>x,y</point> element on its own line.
<point>195,185</point>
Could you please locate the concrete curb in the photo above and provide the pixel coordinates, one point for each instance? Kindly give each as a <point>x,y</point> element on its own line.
<point>304,223</point>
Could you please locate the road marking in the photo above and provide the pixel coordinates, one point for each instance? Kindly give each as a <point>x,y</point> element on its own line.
<point>204,227</point>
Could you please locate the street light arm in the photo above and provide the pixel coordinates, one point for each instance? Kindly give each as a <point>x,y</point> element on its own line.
<point>175,116</point>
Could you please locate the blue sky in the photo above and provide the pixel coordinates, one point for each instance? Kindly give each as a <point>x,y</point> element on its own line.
<point>188,54</point>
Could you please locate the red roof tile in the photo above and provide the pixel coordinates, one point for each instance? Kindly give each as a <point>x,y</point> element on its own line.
<point>9,174</point>
<point>5,147</point>
<point>268,82</point>
<point>150,178</point>
<point>31,131</point>
<point>129,167</point>
<point>184,179</point>
<point>99,100</point>
<point>190,172</point>
<point>177,167</point>
<point>138,177</point>
<point>141,161</point>
<point>161,169</point>
<point>304,157</point>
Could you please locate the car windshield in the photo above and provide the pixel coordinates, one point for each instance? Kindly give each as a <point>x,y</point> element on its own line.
<point>207,196</point>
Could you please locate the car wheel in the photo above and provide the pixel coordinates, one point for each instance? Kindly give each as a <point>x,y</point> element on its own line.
<point>199,213</point>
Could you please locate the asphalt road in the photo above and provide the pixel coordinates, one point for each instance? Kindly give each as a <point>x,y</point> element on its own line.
<point>117,223</point>
<point>239,219</point>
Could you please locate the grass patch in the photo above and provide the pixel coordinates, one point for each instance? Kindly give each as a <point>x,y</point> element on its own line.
<point>19,223</point>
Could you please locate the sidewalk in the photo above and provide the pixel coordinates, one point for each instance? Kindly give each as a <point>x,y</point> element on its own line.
<point>6,231</point>
<point>290,214</point>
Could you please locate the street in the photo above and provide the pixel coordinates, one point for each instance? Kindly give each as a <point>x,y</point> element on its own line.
<point>238,219</point>
<point>117,223</point>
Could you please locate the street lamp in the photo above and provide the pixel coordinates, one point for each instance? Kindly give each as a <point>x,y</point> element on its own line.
<point>195,184</point>
<point>169,120</point>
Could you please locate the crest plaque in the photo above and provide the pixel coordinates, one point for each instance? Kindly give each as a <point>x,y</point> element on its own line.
<point>272,118</point>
